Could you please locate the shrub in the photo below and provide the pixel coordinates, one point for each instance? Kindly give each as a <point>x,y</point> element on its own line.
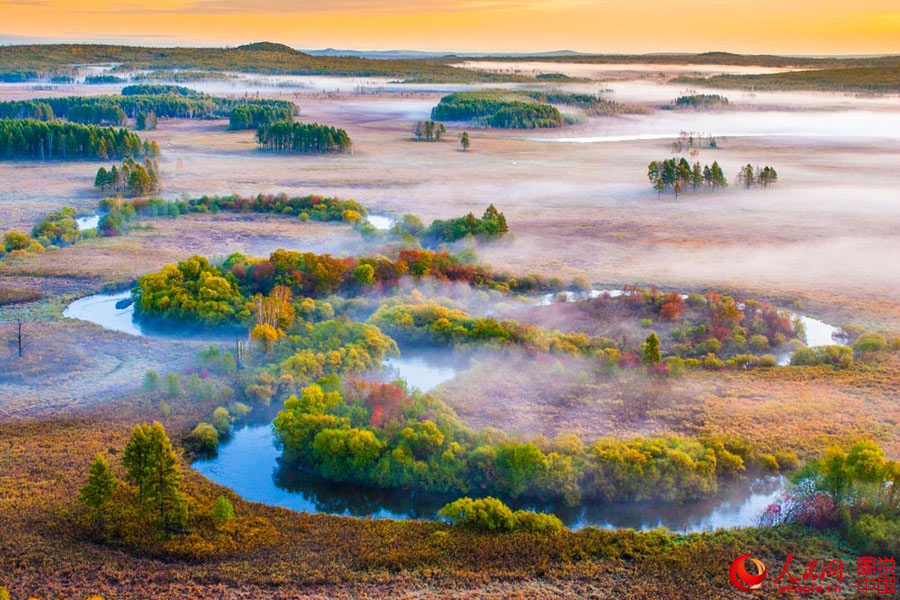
<point>488,514</point>
<point>759,342</point>
<point>204,438</point>
<point>535,522</point>
<point>221,420</point>
<point>870,342</point>
<point>835,355</point>
<point>876,535</point>
<point>768,360</point>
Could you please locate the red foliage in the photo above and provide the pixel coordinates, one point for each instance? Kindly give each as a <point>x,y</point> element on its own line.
<point>672,308</point>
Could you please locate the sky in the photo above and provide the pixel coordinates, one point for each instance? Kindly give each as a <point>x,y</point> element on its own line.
<point>816,27</point>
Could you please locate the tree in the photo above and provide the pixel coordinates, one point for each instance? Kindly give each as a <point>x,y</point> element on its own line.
<point>152,382</point>
<point>139,181</point>
<point>222,510</point>
<point>152,465</point>
<point>98,491</point>
<point>464,140</point>
<point>173,386</point>
<point>652,355</point>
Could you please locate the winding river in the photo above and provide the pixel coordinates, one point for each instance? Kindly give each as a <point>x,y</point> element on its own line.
<point>249,461</point>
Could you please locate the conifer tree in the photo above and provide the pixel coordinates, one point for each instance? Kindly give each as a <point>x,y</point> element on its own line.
<point>97,493</point>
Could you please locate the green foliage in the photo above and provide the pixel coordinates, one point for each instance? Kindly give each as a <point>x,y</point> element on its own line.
<point>302,138</point>
<point>169,102</point>
<point>429,131</point>
<point>98,491</point>
<point>677,175</point>
<point>58,228</point>
<point>491,225</point>
<point>701,101</point>
<point>222,510</point>
<point>204,438</point>
<point>221,420</point>
<point>836,356</point>
<point>152,466</point>
<point>488,514</point>
<point>152,382</point>
<point>868,79</point>
<point>497,109</point>
<point>54,140</point>
<point>651,356</point>
<point>253,116</point>
<point>870,342</point>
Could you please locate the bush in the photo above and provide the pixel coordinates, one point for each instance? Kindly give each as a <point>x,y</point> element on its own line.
<point>490,514</point>
<point>221,420</point>
<point>870,342</point>
<point>204,438</point>
<point>487,514</point>
<point>836,356</point>
<point>876,535</point>
<point>768,360</point>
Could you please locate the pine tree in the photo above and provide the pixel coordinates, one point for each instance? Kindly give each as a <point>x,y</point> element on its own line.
<point>154,468</point>
<point>652,355</point>
<point>464,140</point>
<point>97,493</point>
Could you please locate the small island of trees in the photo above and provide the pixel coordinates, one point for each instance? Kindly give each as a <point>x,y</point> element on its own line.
<point>302,138</point>
<point>678,175</point>
<point>497,109</point>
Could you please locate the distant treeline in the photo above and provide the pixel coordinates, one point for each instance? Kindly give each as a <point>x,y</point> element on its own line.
<point>157,89</point>
<point>42,59</point>
<point>882,79</point>
<point>497,109</point>
<point>302,138</point>
<point>115,110</point>
<point>54,140</point>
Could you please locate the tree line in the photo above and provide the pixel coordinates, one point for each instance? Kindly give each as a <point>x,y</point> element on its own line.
<point>302,138</point>
<point>749,176</point>
<point>53,140</point>
<point>116,110</point>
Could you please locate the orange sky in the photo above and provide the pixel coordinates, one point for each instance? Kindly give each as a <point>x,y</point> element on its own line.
<point>764,26</point>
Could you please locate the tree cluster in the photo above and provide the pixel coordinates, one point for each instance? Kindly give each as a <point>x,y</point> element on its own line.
<point>53,140</point>
<point>497,109</point>
<point>252,116</point>
<point>679,175</point>
<point>749,176</point>
<point>132,178</point>
<point>492,224</point>
<point>429,131</point>
<point>302,138</point>
<point>343,435</point>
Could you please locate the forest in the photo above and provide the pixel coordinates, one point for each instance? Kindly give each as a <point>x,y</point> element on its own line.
<point>255,114</point>
<point>53,140</point>
<point>302,138</point>
<point>116,110</point>
<point>497,109</point>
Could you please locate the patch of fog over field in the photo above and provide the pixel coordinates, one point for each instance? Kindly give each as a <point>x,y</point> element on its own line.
<point>847,126</point>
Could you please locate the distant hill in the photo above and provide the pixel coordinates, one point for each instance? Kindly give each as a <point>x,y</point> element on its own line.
<point>268,47</point>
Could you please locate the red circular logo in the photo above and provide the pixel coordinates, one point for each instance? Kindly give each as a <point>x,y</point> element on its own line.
<point>742,579</point>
